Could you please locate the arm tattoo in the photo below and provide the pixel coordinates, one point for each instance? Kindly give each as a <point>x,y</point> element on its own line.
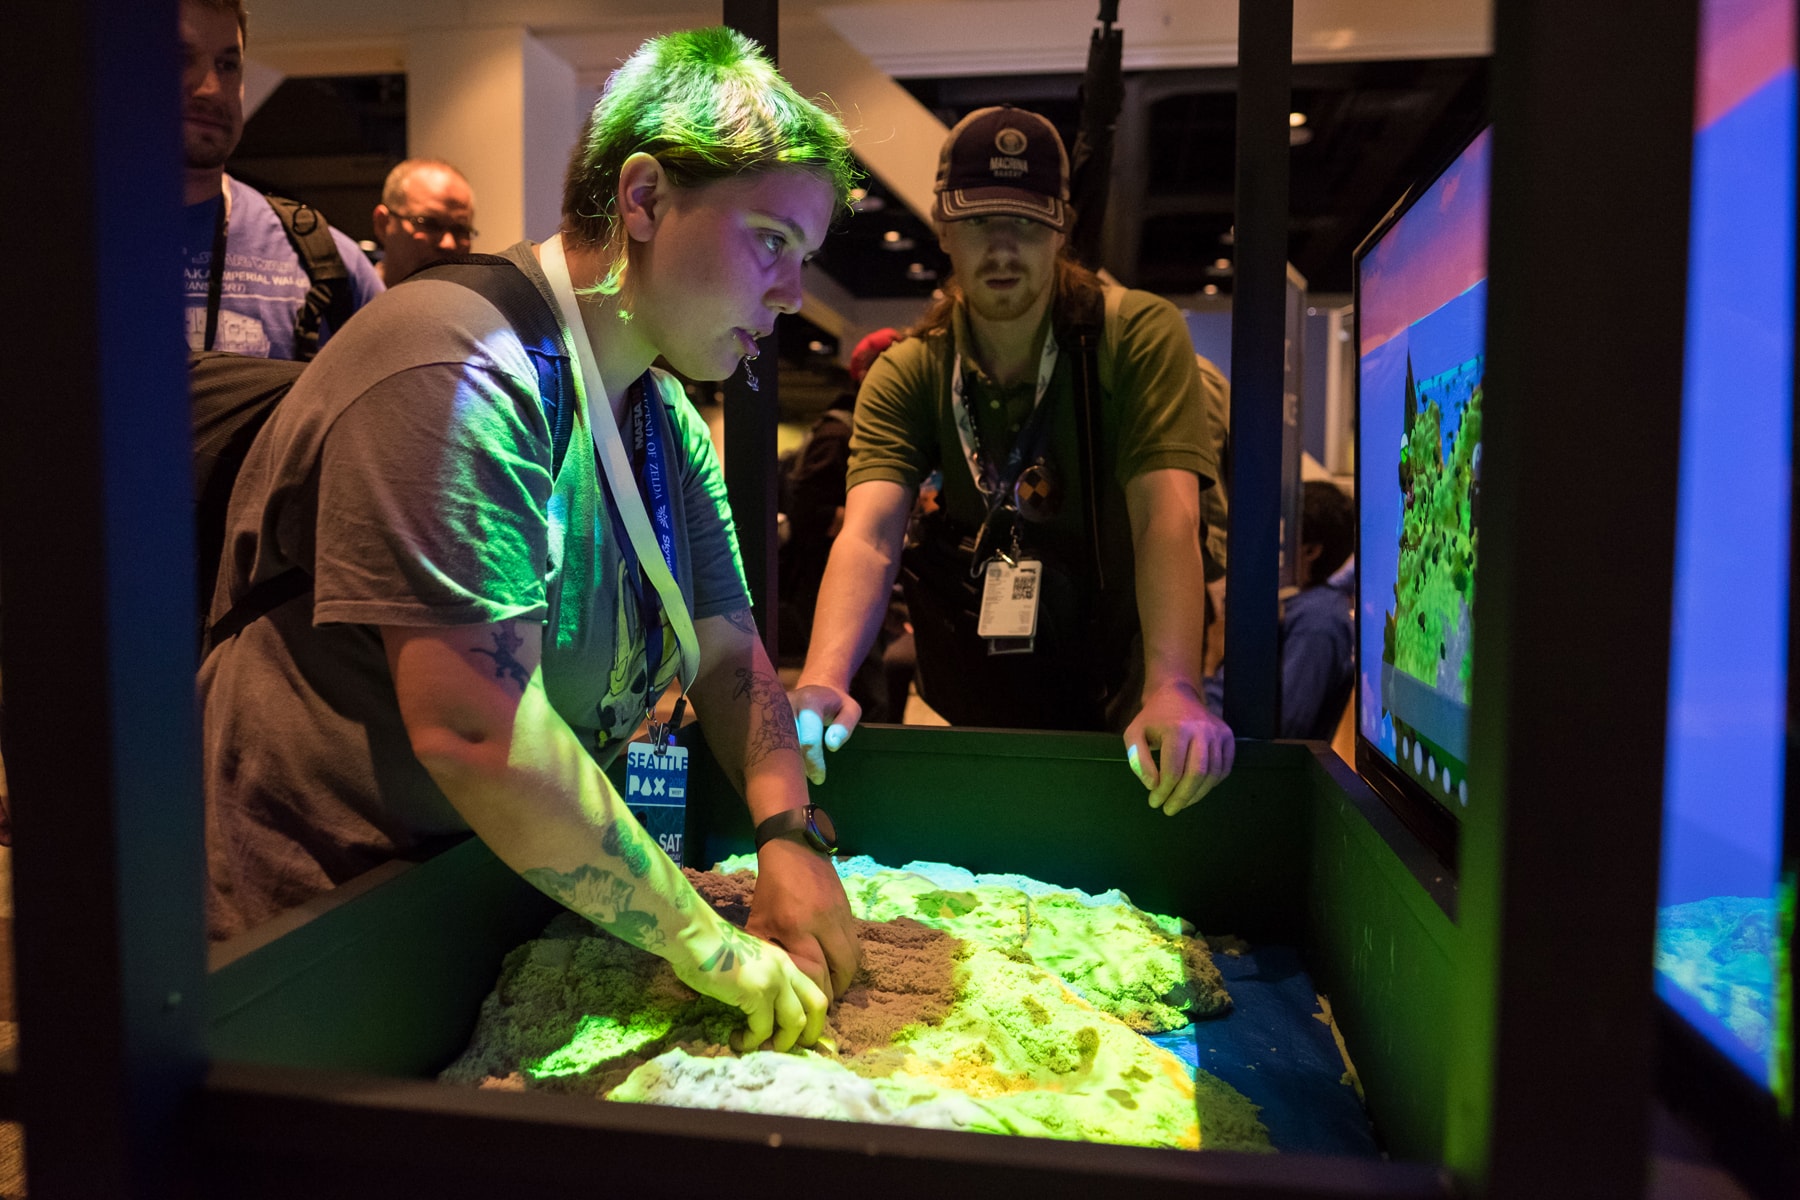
<point>741,619</point>
<point>735,946</point>
<point>625,842</point>
<point>601,897</point>
<point>771,717</point>
<point>505,665</point>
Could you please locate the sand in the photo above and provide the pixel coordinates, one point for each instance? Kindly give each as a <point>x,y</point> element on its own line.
<point>989,1004</point>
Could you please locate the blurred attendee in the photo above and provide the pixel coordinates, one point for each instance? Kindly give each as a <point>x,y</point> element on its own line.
<point>812,489</point>
<point>1318,635</point>
<point>426,214</point>
<point>265,276</point>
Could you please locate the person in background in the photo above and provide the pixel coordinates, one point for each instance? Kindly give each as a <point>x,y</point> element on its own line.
<point>478,638</point>
<point>985,390</point>
<point>1318,634</point>
<point>426,214</point>
<point>812,489</point>
<point>249,290</point>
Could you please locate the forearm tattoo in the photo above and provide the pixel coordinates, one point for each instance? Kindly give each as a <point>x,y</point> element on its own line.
<point>603,898</point>
<point>741,619</point>
<point>735,946</point>
<point>626,843</point>
<point>505,665</point>
<point>771,725</point>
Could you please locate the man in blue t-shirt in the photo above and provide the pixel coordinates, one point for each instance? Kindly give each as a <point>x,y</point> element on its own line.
<point>249,302</point>
<point>1318,631</point>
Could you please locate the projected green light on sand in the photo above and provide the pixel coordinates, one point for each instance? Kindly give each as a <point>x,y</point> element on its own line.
<point>990,1004</point>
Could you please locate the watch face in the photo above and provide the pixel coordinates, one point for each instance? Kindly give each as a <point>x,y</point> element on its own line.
<point>826,831</point>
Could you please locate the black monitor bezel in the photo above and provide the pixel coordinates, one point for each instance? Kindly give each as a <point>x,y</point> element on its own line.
<point>1431,821</point>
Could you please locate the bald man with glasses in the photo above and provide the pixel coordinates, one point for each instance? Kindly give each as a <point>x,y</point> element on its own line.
<point>426,214</point>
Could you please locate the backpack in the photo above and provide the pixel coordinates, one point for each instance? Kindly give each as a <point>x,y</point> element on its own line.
<point>330,297</point>
<point>233,396</point>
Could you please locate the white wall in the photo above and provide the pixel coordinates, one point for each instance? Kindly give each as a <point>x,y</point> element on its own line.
<point>499,105</point>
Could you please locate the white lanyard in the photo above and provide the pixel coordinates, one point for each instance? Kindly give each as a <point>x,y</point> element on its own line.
<point>611,451</point>
<point>965,428</point>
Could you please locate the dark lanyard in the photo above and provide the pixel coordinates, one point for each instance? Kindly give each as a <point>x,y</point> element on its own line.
<point>649,467</point>
<point>215,284</point>
<point>999,499</point>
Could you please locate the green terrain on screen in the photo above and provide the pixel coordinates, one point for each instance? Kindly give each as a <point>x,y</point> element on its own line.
<point>1427,633</point>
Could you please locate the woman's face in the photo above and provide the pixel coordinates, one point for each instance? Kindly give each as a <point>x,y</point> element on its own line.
<point>723,260</point>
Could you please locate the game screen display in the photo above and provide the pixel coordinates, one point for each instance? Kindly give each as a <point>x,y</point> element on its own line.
<point>1421,300</point>
<point>1720,942</point>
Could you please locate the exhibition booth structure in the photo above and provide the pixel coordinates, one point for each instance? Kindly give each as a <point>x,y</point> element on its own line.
<point>1472,906</point>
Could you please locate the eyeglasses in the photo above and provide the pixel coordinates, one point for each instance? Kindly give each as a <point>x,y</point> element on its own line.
<point>435,229</point>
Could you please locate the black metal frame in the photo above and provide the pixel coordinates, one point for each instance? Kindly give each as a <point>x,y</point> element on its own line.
<point>1579,458</point>
<point>1551,1083</point>
<point>1258,334</point>
<point>752,405</point>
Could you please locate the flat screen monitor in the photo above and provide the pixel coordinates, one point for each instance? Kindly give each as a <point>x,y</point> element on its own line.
<point>1421,316</point>
<point>1725,905</point>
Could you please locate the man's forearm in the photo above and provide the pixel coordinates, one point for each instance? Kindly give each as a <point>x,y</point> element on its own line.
<point>1171,577</point>
<point>853,598</point>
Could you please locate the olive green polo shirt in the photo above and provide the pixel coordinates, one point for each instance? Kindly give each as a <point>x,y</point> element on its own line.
<point>1152,416</point>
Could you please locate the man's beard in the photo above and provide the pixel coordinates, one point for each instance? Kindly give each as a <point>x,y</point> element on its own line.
<point>205,155</point>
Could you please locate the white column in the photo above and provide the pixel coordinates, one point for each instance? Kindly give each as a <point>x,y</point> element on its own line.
<point>501,107</point>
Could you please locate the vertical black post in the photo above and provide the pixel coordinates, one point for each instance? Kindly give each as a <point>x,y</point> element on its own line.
<point>1551,1073</point>
<point>96,556</point>
<point>751,412</point>
<point>1258,328</point>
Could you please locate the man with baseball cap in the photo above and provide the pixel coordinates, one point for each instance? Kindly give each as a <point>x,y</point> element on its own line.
<point>1059,583</point>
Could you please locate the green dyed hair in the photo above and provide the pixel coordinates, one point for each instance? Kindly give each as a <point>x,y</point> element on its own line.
<point>707,105</point>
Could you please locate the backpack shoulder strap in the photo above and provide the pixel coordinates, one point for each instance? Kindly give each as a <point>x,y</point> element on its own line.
<point>501,282</point>
<point>329,298</point>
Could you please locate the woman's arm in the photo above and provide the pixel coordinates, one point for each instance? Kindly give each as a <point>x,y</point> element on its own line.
<point>473,701</point>
<point>799,902</point>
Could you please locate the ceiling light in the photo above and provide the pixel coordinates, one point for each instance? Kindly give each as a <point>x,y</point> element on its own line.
<point>919,272</point>
<point>1296,120</point>
<point>1211,289</point>
<point>892,235</point>
<point>891,240</point>
<point>1223,264</point>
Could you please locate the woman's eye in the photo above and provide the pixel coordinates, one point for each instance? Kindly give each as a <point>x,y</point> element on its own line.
<point>773,242</point>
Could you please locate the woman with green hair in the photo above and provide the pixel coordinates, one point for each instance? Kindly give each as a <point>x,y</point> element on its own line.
<point>490,620</point>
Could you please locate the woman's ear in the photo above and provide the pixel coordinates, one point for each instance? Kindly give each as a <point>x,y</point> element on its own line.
<point>643,195</point>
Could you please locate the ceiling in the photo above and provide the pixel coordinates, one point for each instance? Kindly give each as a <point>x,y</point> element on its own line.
<point>1386,88</point>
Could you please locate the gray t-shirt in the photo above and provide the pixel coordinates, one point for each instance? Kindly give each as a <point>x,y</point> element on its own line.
<point>409,471</point>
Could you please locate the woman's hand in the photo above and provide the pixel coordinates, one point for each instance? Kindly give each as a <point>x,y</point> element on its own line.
<point>718,959</point>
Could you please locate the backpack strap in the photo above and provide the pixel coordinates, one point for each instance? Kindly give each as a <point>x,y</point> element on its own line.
<point>499,281</point>
<point>329,298</point>
<point>1086,327</point>
<point>503,284</point>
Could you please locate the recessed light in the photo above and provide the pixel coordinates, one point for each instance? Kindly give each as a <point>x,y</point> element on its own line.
<point>1296,120</point>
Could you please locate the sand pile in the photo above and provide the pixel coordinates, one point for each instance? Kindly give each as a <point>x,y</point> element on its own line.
<point>981,1005</point>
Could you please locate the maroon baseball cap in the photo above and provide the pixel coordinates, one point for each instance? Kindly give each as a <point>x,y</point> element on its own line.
<point>1003,162</point>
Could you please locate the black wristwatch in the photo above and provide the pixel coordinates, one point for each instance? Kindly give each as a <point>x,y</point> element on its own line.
<point>811,823</point>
